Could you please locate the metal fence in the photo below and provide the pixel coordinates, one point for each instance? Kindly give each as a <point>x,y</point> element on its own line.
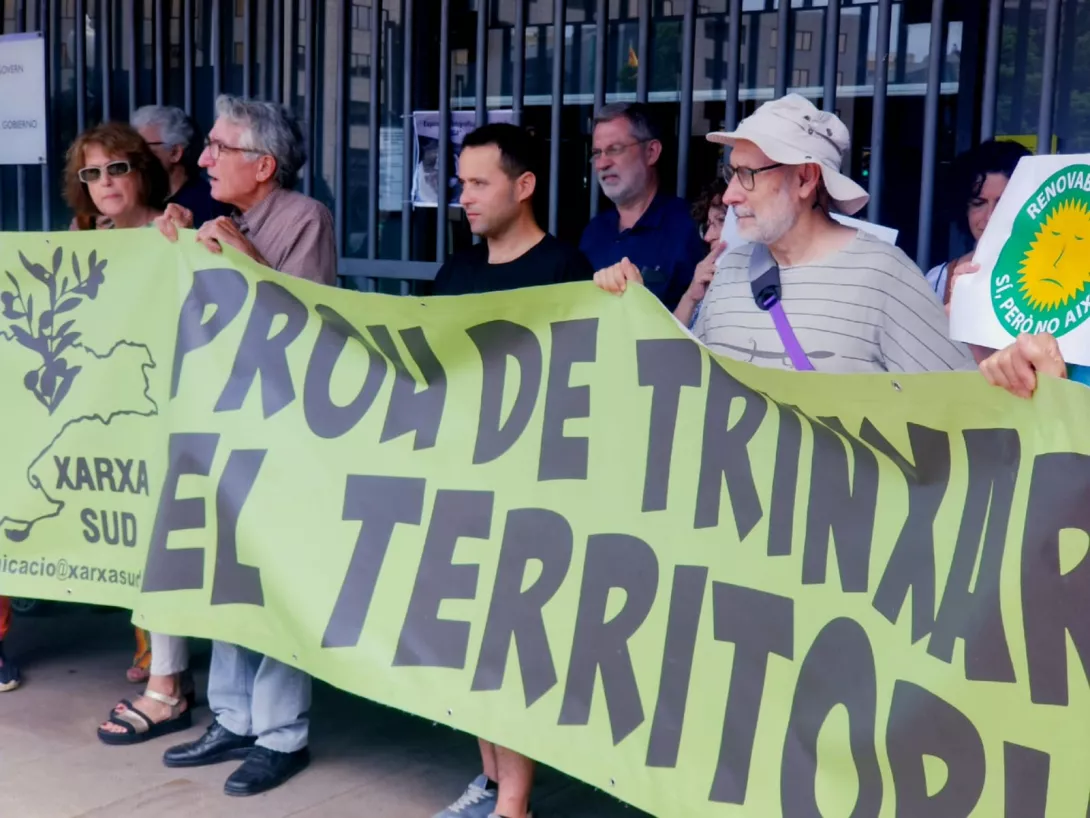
<point>323,57</point>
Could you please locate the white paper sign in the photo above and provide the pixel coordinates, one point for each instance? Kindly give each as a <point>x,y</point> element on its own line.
<point>1034,261</point>
<point>22,99</point>
<point>425,192</point>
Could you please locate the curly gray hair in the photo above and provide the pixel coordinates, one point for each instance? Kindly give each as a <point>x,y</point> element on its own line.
<point>268,128</point>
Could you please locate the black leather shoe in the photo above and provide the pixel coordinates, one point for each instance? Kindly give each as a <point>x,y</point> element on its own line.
<point>265,769</point>
<point>216,745</point>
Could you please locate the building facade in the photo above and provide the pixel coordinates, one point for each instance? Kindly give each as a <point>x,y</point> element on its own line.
<point>915,81</point>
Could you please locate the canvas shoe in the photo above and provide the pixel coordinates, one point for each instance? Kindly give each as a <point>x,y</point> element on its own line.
<point>476,802</point>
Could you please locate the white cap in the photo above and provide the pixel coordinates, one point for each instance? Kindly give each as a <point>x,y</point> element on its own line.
<point>791,131</point>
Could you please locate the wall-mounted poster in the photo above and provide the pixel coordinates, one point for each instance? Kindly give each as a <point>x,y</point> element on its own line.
<point>426,152</point>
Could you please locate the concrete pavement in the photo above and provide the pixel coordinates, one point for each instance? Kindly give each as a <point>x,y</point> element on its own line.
<point>369,761</point>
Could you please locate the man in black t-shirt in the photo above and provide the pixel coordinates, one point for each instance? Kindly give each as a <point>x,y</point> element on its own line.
<point>496,169</point>
<point>497,172</point>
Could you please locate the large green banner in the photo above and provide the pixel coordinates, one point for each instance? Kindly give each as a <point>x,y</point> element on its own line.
<point>551,519</point>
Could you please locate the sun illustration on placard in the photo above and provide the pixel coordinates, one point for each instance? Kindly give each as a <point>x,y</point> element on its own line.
<point>1056,267</point>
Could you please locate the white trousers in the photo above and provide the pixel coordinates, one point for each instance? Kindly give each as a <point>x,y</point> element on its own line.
<point>169,654</point>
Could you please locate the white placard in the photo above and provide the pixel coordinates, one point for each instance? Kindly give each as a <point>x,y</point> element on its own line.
<point>1034,261</point>
<point>22,99</point>
<point>425,192</point>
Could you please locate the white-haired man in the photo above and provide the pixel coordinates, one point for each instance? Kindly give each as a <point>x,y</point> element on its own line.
<point>806,292</point>
<point>253,155</point>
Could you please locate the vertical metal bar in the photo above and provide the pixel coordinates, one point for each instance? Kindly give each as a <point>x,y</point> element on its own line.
<point>936,58</point>
<point>277,61</point>
<point>79,33</point>
<point>734,54</point>
<point>187,55</point>
<point>216,49</point>
<point>518,78</point>
<point>784,45</point>
<point>685,126</point>
<point>310,74</point>
<point>601,35</point>
<point>20,171</point>
<point>444,133</point>
<point>344,93</point>
<point>643,51</point>
<point>1048,77</point>
<point>48,33</point>
<point>375,89</point>
<point>158,22</point>
<point>878,120</point>
<point>482,62</point>
<point>832,53</point>
<point>291,40</point>
<point>559,26</point>
<point>104,30</point>
<point>248,46</point>
<point>406,128</point>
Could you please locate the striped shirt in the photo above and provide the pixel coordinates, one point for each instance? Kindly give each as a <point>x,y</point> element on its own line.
<point>865,308</point>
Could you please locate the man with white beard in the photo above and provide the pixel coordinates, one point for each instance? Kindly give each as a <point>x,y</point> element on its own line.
<point>807,292</point>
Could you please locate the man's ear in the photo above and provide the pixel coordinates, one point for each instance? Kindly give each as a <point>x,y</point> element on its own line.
<point>266,168</point>
<point>176,154</point>
<point>525,186</point>
<point>809,179</point>
<point>654,151</point>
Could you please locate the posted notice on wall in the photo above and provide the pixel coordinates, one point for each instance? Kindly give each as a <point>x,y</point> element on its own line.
<point>426,183</point>
<point>22,99</point>
<point>1034,261</point>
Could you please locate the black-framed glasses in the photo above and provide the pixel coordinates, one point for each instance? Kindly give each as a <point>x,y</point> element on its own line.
<point>613,151</point>
<point>93,173</point>
<point>215,148</point>
<point>747,177</point>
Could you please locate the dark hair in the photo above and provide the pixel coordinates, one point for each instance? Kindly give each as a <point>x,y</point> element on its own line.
<point>711,196</point>
<point>118,139</point>
<point>518,147</point>
<point>973,167</point>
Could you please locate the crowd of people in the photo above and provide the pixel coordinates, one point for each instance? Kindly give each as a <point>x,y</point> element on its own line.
<point>801,292</point>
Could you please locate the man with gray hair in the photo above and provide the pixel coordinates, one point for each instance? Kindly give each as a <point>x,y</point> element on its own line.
<point>253,156</point>
<point>650,228</point>
<point>170,134</point>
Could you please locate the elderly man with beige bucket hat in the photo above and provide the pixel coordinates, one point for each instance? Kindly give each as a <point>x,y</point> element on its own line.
<point>806,292</point>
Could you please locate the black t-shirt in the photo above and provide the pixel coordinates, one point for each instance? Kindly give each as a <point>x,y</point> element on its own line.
<point>550,261</point>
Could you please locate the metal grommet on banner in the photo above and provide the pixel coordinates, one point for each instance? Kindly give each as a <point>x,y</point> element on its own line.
<point>896,386</point>
<point>450,712</point>
<point>612,783</point>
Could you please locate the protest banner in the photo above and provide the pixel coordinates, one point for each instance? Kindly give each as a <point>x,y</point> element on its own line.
<point>1034,261</point>
<point>551,519</point>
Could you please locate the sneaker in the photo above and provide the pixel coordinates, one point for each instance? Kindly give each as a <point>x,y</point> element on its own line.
<point>9,673</point>
<point>476,802</point>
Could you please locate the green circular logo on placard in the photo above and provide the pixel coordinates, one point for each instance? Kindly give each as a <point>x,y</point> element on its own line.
<point>1041,279</point>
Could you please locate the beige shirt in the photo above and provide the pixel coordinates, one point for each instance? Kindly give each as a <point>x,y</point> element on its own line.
<point>294,233</point>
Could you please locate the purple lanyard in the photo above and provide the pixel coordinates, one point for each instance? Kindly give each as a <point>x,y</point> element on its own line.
<point>764,278</point>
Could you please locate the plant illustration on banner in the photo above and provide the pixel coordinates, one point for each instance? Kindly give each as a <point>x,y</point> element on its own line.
<point>42,330</point>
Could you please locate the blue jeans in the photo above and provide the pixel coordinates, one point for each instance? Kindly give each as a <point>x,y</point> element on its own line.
<point>255,695</point>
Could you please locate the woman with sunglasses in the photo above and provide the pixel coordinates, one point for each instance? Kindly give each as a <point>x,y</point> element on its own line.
<point>113,180</point>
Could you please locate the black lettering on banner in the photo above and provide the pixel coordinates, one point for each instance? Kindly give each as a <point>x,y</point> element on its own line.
<point>911,565</point>
<point>379,504</point>
<point>62,463</point>
<point>921,724</point>
<point>725,453</point>
<point>1025,779</point>
<point>260,353</point>
<point>90,525</point>
<point>426,640</point>
<point>759,624</point>
<point>686,602</point>
<point>846,512</point>
<point>1055,603</point>
<point>665,365</point>
<point>410,409</point>
<point>235,583</point>
<point>785,482</point>
<point>179,569</point>
<point>515,614</point>
<point>104,473</point>
<point>225,290</point>
<point>612,561</point>
<point>325,418</point>
<point>83,475</point>
<point>976,615</point>
<point>838,670</point>
<point>563,457</point>
<point>496,340</point>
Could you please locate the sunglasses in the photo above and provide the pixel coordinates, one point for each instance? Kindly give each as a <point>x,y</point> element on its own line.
<point>93,173</point>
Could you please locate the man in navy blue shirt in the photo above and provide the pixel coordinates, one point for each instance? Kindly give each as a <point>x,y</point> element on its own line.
<point>650,228</point>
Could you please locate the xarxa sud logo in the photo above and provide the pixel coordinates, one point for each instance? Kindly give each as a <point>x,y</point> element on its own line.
<point>1040,282</point>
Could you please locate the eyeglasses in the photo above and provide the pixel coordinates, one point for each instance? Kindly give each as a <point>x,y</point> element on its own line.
<point>93,173</point>
<point>215,148</point>
<point>613,151</point>
<point>747,177</point>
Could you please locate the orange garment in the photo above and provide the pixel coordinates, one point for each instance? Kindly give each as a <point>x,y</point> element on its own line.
<point>142,657</point>
<point>5,616</point>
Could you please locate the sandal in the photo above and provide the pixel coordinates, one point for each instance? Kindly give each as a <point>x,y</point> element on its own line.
<point>140,728</point>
